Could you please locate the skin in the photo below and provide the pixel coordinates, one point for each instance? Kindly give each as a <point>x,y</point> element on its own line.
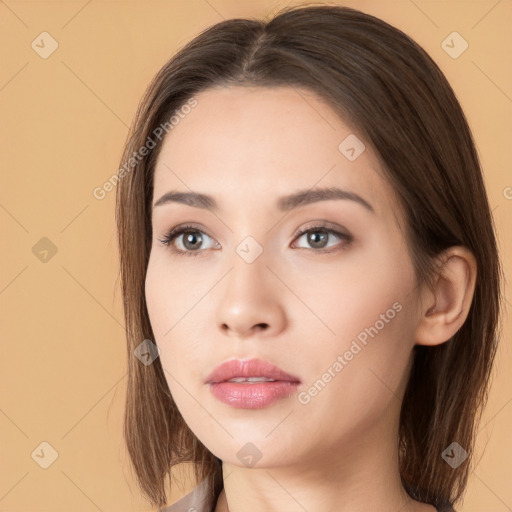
<point>246,147</point>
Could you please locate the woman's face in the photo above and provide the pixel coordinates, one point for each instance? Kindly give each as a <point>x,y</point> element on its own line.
<point>338,311</point>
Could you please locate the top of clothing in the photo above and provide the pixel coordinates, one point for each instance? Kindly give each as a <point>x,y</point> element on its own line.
<point>195,501</point>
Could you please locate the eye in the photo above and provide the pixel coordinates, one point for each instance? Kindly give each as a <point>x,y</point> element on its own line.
<point>318,237</point>
<point>192,239</point>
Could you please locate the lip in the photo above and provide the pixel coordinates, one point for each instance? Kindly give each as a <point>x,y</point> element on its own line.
<point>252,395</point>
<point>249,368</point>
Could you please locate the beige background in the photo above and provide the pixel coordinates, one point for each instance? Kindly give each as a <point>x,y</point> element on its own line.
<point>64,122</point>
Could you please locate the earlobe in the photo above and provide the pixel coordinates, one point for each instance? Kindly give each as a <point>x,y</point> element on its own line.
<point>447,306</point>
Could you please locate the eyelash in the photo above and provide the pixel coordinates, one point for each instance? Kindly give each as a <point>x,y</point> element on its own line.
<point>176,232</point>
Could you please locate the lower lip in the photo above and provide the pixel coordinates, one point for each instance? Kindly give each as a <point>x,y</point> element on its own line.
<point>255,395</point>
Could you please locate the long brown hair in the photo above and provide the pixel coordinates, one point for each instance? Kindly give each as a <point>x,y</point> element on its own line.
<point>385,85</point>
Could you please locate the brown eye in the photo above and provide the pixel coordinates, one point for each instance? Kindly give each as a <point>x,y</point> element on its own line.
<point>191,242</point>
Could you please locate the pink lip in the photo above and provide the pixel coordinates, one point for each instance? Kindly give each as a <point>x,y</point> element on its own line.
<point>249,368</point>
<point>254,395</point>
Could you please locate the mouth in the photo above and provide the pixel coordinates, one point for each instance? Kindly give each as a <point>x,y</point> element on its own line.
<point>249,371</point>
<point>249,380</point>
<point>251,384</point>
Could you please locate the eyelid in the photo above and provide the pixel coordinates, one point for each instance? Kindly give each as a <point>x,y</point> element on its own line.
<point>320,224</point>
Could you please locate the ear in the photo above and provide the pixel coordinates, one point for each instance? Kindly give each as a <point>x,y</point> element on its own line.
<point>445,308</point>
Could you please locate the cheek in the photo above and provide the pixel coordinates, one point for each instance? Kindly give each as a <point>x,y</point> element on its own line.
<point>162,316</point>
<point>170,297</point>
<point>359,379</point>
<point>156,302</point>
<point>348,296</point>
<point>368,307</point>
<point>173,310</point>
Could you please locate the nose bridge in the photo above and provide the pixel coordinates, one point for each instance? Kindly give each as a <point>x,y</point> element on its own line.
<point>249,233</point>
<point>250,296</point>
<point>256,245</point>
<point>248,268</point>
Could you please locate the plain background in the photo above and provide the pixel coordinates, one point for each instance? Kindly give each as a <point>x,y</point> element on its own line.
<point>64,123</point>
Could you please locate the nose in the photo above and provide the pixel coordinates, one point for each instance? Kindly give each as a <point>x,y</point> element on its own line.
<point>251,301</point>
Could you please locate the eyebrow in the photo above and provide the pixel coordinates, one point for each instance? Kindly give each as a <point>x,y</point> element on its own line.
<point>284,203</point>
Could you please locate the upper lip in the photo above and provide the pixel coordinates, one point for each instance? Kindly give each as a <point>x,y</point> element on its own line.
<point>249,368</point>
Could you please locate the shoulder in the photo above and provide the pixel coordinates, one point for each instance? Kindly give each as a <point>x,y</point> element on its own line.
<point>194,501</point>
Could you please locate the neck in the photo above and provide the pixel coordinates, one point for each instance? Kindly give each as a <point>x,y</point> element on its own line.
<point>362,476</point>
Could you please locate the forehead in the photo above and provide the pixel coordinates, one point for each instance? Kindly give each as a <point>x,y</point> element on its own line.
<point>258,143</point>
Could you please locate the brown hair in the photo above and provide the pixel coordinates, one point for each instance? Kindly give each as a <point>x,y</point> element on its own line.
<point>385,85</point>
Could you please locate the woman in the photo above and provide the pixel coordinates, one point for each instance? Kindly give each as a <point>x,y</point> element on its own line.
<point>329,345</point>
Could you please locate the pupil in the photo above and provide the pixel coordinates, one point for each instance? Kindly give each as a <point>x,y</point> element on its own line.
<point>314,239</point>
<point>189,238</point>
